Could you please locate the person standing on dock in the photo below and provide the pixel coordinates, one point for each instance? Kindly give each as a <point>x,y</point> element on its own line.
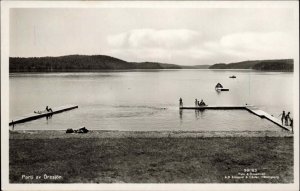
<point>196,102</point>
<point>180,102</point>
<point>282,116</point>
<point>292,124</point>
<point>287,118</point>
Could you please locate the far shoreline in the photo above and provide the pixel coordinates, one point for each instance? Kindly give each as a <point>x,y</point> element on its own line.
<point>71,63</point>
<point>145,70</point>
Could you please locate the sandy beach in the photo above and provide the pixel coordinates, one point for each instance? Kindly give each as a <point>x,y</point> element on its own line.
<point>151,157</point>
<point>52,134</point>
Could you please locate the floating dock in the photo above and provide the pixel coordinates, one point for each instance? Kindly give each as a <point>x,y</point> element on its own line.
<point>252,109</point>
<point>33,116</point>
<point>223,107</point>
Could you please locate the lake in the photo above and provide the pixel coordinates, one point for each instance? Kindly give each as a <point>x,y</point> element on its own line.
<point>147,100</point>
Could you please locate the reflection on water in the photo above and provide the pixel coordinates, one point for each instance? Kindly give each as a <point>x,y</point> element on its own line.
<point>139,100</point>
<point>48,117</point>
<point>180,114</point>
<point>199,113</point>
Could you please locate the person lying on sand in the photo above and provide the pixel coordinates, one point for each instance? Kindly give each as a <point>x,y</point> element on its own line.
<point>80,130</point>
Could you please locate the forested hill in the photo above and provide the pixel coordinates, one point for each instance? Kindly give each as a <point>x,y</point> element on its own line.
<point>79,63</point>
<point>263,65</point>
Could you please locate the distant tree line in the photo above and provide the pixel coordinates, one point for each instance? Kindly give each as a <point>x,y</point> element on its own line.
<point>263,65</point>
<point>79,63</point>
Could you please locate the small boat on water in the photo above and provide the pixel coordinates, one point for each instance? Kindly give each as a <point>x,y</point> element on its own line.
<point>219,87</point>
<point>232,76</point>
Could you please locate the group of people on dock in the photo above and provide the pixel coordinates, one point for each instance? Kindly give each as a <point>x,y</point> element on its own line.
<point>48,109</point>
<point>197,103</point>
<point>288,121</point>
<point>201,103</point>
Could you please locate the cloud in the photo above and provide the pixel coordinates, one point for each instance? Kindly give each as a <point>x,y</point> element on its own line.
<point>188,47</point>
<point>172,45</point>
<point>251,45</point>
<point>257,41</point>
<point>150,38</point>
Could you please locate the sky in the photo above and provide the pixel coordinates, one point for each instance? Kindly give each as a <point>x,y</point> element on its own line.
<point>185,36</point>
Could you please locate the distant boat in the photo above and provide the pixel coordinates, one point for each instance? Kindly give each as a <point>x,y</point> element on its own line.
<point>232,76</point>
<point>219,87</point>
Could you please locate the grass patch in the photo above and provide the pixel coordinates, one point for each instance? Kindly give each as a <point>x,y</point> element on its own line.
<point>150,160</point>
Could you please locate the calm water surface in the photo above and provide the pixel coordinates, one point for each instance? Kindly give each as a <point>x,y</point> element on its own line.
<point>148,100</point>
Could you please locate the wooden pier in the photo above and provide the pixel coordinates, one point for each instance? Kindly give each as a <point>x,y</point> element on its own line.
<point>252,109</point>
<point>33,116</point>
<point>223,107</point>
<point>263,114</point>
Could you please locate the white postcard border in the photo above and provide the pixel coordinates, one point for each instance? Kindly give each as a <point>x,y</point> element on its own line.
<point>6,5</point>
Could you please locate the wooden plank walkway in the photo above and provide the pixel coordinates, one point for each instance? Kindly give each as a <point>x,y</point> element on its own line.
<point>33,116</point>
<point>263,114</point>
<point>252,109</point>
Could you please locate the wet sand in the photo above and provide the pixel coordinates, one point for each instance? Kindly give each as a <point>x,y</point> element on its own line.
<point>51,134</point>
